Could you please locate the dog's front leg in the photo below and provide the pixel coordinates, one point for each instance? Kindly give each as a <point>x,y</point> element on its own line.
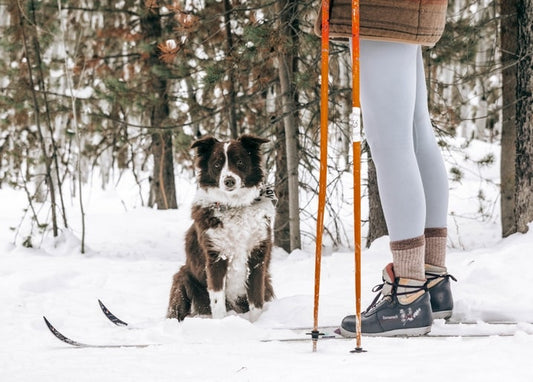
<point>256,280</point>
<point>216,286</point>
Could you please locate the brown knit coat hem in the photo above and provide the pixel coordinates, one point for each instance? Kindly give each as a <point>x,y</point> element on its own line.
<point>417,22</point>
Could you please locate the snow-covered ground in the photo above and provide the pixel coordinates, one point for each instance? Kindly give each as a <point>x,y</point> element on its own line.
<point>133,253</point>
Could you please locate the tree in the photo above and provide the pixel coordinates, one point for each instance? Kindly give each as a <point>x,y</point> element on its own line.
<point>377,227</point>
<point>509,47</point>
<point>232,114</point>
<point>163,188</point>
<point>524,117</point>
<point>287,64</point>
<point>36,86</point>
<point>517,127</point>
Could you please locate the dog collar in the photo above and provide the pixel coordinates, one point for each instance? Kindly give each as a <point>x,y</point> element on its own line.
<point>265,192</point>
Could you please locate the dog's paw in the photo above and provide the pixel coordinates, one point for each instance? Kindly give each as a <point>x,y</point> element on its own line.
<point>218,304</point>
<point>254,313</point>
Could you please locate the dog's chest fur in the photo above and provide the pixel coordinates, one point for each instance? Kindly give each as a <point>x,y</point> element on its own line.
<point>240,231</point>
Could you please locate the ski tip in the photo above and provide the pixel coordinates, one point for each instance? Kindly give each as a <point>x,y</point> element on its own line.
<point>110,316</point>
<point>102,306</point>
<point>47,322</point>
<point>60,336</point>
<point>50,326</point>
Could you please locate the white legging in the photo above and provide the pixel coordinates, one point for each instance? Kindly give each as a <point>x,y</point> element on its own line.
<point>412,178</point>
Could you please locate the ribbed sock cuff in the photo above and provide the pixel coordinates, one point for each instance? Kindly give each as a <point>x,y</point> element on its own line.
<point>435,253</point>
<point>408,258</point>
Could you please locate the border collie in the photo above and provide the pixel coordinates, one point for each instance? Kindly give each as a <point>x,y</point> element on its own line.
<point>228,246</point>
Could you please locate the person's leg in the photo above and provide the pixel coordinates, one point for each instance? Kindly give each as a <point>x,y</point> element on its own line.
<point>388,97</point>
<point>435,181</point>
<point>433,174</point>
<point>388,100</point>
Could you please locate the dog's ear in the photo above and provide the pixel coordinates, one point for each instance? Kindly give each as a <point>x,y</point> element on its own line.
<point>204,144</point>
<point>249,140</point>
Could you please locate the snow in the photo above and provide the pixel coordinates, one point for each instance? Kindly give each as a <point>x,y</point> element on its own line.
<point>133,253</point>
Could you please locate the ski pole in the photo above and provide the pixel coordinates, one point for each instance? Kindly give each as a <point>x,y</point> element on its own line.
<point>355,122</point>
<point>315,334</point>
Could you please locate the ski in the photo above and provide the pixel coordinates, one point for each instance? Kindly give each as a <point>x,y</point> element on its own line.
<point>331,333</point>
<point>465,332</point>
<point>443,329</point>
<point>335,336</point>
<point>445,322</point>
<point>60,336</point>
<point>119,322</point>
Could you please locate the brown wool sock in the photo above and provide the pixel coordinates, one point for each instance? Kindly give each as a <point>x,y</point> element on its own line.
<point>408,258</point>
<point>436,246</point>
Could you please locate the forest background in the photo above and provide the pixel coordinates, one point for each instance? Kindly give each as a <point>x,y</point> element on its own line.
<point>103,88</point>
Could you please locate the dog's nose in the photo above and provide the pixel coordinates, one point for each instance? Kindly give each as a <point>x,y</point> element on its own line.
<point>229,182</point>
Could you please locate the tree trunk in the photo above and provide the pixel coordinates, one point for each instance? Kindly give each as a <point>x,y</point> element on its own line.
<point>232,117</point>
<point>163,188</point>
<point>524,118</point>
<point>509,49</point>
<point>282,237</point>
<point>287,10</point>
<point>377,227</point>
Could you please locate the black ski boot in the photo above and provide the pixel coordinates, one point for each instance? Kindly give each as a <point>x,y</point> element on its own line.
<point>404,309</point>
<point>438,284</point>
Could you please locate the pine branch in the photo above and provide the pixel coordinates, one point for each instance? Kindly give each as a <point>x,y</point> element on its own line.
<point>168,51</point>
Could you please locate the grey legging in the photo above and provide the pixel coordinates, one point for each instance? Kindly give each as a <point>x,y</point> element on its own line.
<point>412,178</point>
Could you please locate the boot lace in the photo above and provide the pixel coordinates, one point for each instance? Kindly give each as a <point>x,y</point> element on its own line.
<point>433,276</point>
<point>394,290</point>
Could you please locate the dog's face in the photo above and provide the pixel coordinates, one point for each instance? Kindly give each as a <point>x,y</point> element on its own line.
<point>232,167</point>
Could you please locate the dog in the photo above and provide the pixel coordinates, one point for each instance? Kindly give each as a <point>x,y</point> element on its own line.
<point>228,246</point>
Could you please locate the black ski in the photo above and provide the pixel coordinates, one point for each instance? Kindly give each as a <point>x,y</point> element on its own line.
<point>78,344</point>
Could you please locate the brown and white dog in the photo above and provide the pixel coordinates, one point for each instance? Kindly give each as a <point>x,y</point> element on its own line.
<point>228,246</point>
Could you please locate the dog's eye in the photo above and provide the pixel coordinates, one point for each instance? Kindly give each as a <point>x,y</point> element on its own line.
<point>240,163</point>
<point>218,165</point>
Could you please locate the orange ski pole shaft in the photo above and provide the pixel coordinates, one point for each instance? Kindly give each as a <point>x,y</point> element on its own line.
<point>323,163</point>
<point>356,136</point>
<point>355,122</point>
